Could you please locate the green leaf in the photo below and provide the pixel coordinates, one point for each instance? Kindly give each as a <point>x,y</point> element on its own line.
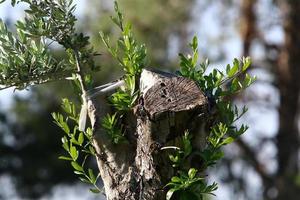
<point>228,67</point>
<point>228,140</point>
<point>234,69</point>
<point>65,127</point>
<point>195,43</point>
<point>78,173</point>
<point>64,158</point>
<point>92,176</point>
<point>194,59</point>
<point>95,190</point>
<point>89,131</point>
<point>187,146</point>
<point>174,159</point>
<point>170,193</point>
<point>55,116</point>
<point>84,180</point>
<point>81,138</point>
<point>175,179</point>
<point>64,140</point>
<point>76,166</point>
<point>65,143</point>
<point>192,173</point>
<point>246,63</point>
<point>92,150</point>
<point>74,141</point>
<point>74,153</point>
<point>67,106</point>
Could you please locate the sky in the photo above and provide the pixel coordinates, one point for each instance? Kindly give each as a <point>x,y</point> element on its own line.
<point>262,115</point>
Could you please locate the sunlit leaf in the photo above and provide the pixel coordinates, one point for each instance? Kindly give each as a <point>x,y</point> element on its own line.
<point>76,166</point>
<point>64,158</point>
<point>95,190</point>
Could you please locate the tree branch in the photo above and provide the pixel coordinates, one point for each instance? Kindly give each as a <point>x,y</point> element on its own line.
<point>33,80</point>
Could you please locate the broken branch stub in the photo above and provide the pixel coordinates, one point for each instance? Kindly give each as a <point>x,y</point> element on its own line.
<point>174,94</point>
<point>168,106</point>
<point>176,101</point>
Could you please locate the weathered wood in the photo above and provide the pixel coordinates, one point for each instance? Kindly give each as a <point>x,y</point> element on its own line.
<point>173,95</point>
<point>114,161</point>
<point>139,169</point>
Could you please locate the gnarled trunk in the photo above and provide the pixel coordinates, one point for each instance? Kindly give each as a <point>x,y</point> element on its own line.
<point>139,168</point>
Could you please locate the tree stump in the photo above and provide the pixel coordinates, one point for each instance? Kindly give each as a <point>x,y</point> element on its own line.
<point>139,169</point>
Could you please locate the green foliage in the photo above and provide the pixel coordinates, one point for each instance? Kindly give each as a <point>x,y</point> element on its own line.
<point>77,144</point>
<point>52,19</point>
<point>222,131</point>
<point>213,82</point>
<point>25,61</point>
<point>189,186</point>
<point>182,152</point>
<point>124,100</point>
<point>111,127</point>
<point>134,54</point>
<point>25,58</point>
<point>132,62</point>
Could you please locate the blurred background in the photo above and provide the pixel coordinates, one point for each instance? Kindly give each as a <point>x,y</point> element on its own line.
<point>263,164</point>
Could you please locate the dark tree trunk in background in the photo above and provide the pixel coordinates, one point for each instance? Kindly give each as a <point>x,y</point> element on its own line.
<point>288,77</point>
<point>248,24</point>
<point>139,169</point>
<point>249,32</point>
<point>288,81</point>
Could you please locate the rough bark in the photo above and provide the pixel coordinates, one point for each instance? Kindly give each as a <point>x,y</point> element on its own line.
<point>139,168</point>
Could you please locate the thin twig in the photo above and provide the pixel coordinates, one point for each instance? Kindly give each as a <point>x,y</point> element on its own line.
<point>170,147</point>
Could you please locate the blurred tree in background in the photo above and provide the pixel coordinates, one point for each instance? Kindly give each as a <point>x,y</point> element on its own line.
<point>164,26</point>
<point>29,143</point>
<point>158,24</point>
<point>284,62</point>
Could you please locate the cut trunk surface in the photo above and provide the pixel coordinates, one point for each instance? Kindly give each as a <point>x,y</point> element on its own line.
<point>140,168</point>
